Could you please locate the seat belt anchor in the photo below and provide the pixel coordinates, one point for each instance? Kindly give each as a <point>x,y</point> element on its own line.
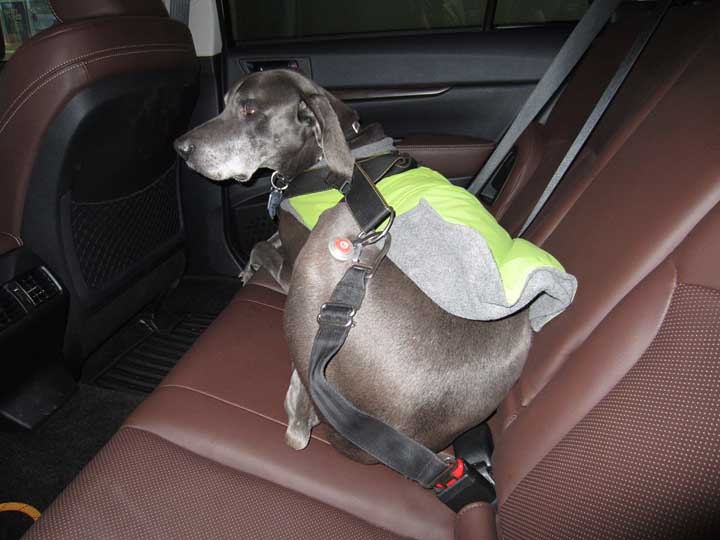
<point>462,484</point>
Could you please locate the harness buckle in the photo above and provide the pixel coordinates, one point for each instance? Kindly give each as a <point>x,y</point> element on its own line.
<point>367,238</point>
<point>462,484</point>
<point>336,315</point>
<point>369,260</point>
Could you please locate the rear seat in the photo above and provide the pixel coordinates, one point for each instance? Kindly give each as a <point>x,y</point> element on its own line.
<point>612,431</point>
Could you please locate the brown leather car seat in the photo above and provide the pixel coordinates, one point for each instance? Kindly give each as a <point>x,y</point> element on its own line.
<point>88,112</point>
<point>611,433</point>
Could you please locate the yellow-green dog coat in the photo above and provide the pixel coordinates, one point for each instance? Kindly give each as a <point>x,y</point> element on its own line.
<point>452,248</point>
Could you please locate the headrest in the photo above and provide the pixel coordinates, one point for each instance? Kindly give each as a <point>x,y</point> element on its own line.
<point>74,10</point>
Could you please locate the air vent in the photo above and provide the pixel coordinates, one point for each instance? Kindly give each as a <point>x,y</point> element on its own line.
<point>11,311</point>
<point>39,285</point>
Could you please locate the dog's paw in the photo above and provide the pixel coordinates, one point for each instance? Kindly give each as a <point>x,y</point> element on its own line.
<point>247,273</point>
<point>297,439</point>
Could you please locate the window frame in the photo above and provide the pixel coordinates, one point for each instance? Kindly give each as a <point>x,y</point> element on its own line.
<point>488,25</point>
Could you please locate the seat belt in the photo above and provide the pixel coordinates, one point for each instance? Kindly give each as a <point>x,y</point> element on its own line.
<point>454,481</point>
<point>577,43</point>
<point>180,11</point>
<point>599,110</point>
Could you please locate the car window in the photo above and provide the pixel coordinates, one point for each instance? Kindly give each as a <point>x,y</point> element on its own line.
<point>524,12</point>
<point>290,19</point>
<point>22,19</point>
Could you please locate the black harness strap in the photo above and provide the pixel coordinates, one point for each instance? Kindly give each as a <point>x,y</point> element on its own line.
<point>368,207</point>
<point>388,445</point>
<point>371,169</point>
<point>376,167</point>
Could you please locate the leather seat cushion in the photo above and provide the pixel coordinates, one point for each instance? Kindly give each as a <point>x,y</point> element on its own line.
<point>142,486</point>
<point>224,401</point>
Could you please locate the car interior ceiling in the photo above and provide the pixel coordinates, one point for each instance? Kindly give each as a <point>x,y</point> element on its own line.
<point>143,385</point>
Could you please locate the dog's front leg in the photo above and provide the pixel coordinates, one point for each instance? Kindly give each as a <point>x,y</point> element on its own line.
<point>268,256</point>
<point>300,412</point>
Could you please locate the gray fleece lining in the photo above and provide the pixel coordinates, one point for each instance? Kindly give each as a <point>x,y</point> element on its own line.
<point>454,266</point>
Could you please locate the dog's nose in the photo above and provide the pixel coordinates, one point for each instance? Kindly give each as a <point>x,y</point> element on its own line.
<point>184,148</point>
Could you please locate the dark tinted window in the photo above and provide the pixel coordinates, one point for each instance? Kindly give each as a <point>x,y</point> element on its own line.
<point>22,19</point>
<point>520,12</point>
<point>288,19</point>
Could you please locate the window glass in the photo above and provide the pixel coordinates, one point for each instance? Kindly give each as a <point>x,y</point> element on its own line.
<point>22,19</point>
<point>519,12</point>
<point>287,19</point>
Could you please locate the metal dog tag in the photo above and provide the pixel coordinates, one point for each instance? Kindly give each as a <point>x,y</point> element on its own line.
<point>278,184</point>
<point>274,200</point>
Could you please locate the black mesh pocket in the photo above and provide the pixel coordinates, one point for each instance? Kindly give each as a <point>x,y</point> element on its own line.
<point>112,236</point>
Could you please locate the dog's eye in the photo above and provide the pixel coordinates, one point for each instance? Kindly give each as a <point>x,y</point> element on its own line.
<point>248,109</point>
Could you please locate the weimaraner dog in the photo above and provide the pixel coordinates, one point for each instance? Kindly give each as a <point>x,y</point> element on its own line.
<point>408,362</point>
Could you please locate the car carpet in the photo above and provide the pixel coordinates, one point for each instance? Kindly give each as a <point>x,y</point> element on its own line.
<point>35,466</point>
<point>139,356</point>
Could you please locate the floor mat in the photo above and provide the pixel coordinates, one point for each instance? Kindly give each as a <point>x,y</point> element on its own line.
<point>143,352</point>
<point>36,466</point>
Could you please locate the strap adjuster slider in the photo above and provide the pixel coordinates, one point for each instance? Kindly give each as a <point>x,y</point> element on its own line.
<point>336,315</point>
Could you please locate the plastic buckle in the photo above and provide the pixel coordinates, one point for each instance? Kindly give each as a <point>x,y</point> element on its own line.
<point>461,485</point>
<point>336,315</point>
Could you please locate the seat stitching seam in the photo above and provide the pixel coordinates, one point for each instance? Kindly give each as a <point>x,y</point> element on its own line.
<point>82,57</point>
<point>236,405</point>
<point>17,239</point>
<point>250,301</point>
<point>70,68</point>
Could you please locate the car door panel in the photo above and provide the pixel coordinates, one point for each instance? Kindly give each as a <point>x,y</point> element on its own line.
<point>459,90</point>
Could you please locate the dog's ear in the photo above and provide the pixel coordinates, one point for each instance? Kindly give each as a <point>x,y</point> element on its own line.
<point>317,110</point>
<point>347,116</point>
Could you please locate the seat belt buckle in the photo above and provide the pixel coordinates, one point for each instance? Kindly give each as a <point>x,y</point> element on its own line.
<point>462,484</point>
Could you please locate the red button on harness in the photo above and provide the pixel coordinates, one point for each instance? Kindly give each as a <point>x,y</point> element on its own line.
<point>456,474</point>
<point>341,248</point>
<point>343,245</point>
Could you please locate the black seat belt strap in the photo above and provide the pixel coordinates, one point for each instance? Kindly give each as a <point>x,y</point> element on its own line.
<point>393,448</point>
<point>569,55</point>
<point>454,481</point>
<point>599,110</point>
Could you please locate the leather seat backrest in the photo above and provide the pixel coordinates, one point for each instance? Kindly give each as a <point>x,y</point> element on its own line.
<point>542,146</point>
<point>88,112</point>
<point>611,221</point>
<point>622,388</point>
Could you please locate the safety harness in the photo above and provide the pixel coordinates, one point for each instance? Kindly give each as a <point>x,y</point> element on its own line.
<point>455,481</point>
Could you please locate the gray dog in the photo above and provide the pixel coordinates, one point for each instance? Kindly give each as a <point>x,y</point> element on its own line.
<point>423,371</point>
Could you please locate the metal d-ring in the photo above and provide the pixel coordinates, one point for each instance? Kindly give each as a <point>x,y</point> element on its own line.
<point>373,237</point>
<point>282,181</point>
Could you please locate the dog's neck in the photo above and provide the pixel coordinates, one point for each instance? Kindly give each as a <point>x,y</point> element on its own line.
<point>369,134</point>
<point>370,141</point>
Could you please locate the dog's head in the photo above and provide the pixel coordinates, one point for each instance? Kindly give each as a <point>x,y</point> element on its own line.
<point>277,120</point>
